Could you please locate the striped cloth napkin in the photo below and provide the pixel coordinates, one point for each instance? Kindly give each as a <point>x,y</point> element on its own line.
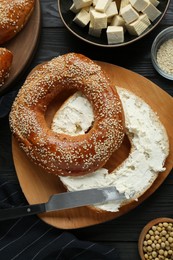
<point>29,238</point>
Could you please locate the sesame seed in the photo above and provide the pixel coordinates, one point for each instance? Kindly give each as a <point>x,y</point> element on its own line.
<point>60,153</point>
<point>13,16</point>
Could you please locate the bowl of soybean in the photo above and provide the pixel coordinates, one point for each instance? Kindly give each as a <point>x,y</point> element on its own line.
<point>156,240</point>
<point>162,53</point>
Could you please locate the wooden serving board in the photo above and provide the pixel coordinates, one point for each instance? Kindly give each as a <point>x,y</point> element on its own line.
<point>23,47</point>
<point>37,185</point>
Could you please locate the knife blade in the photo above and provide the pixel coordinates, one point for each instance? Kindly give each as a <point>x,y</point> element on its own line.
<point>64,201</point>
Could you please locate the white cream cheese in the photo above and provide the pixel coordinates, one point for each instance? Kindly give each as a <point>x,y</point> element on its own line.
<point>149,147</point>
<point>75,116</point>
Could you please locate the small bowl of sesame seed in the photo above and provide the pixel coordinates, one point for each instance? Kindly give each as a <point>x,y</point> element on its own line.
<point>156,240</point>
<point>162,53</point>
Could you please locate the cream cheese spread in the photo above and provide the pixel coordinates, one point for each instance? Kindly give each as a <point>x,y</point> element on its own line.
<point>149,147</point>
<point>75,116</point>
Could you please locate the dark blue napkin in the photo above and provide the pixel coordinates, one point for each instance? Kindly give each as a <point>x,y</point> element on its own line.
<point>29,238</point>
<point>6,102</point>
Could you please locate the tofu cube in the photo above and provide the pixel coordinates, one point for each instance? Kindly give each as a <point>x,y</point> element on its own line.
<point>139,5</point>
<point>117,20</point>
<point>87,8</point>
<point>139,26</point>
<point>94,32</point>
<point>102,5</point>
<point>129,14</point>
<point>74,9</point>
<point>98,20</point>
<point>151,11</point>
<point>111,10</point>
<point>95,2</point>
<point>82,18</point>
<point>123,3</point>
<point>79,4</point>
<point>144,19</point>
<point>115,34</point>
<point>154,2</point>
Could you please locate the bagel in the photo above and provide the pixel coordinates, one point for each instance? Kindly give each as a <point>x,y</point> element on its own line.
<point>14,14</point>
<point>6,58</point>
<point>148,152</point>
<point>63,154</point>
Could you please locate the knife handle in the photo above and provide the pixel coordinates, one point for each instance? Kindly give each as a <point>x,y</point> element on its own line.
<point>16,212</point>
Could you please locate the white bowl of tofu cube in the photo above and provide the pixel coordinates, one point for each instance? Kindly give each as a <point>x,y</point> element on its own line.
<point>111,23</point>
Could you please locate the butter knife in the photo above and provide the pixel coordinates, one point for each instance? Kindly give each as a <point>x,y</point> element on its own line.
<point>64,201</point>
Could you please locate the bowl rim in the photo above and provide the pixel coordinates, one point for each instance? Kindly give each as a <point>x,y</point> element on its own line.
<point>153,49</point>
<point>112,45</point>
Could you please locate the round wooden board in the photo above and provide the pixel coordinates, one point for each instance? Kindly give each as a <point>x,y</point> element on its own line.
<point>23,47</point>
<point>37,185</point>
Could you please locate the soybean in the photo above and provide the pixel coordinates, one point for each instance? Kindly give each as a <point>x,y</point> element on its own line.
<point>158,242</point>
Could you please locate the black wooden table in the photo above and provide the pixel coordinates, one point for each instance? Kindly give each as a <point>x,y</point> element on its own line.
<point>123,232</point>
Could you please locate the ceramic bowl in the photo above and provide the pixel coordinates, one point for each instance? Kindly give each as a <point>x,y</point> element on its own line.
<point>67,17</point>
<point>145,231</point>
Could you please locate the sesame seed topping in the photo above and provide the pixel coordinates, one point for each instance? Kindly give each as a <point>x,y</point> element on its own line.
<point>60,153</point>
<point>13,16</point>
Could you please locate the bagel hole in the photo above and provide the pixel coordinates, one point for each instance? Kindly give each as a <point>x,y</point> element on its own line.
<point>56,104</point>
<point>119,156</point>
<point>116,158</point>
